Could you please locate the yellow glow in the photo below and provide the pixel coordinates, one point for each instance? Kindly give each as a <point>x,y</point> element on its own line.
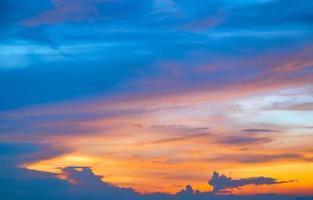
<point>54,165</point>
<point>147,175</point>
<point>167,147</point>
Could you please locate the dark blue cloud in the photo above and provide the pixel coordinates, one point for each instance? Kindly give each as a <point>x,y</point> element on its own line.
<point>273,14</point>
<point>27,184</point>
<point>222,182</point>
<point>82,184</point>
<point>12,11</point>
<point>13,155</point>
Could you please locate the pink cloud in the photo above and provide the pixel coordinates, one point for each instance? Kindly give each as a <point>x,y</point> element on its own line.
<point>205,22</point>
<point>65,11</point>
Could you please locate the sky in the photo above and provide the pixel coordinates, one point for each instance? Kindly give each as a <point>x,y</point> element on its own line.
<point>154,95</point>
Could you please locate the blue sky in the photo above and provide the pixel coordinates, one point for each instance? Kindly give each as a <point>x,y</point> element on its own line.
<point>128,41</point>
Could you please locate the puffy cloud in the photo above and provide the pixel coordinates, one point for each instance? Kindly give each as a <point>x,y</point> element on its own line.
<point>81,183</point>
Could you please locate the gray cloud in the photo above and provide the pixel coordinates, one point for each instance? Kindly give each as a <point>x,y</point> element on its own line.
<point>259,130</point>
<point>180,128</point>
<point>244,140</point>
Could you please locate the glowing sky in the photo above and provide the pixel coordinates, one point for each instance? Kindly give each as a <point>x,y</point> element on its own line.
<point>158,94</point>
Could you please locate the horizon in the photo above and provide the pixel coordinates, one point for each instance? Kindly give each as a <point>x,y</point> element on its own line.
<point>160,96</point>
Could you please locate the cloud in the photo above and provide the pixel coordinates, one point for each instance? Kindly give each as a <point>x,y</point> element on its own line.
<point>80,183</point>
<point>259,130</point>
<point>204,23</point>
<point>251,15</point>
<point>132,29</point>
<point>259,158</point>
<point>82,11</point>
<point>65,11</point>
<point>177,139</point>
<point>221,182</point>
<point>84,179</point>
<point>180,129</point>
<point>166,6</point>
<point>16,154</point>
<point>244,140</point>
<point>294,106</point>
<point>11,12</point>
<point>200,56</point>
<point>77,182</point>
<point>82,176</point>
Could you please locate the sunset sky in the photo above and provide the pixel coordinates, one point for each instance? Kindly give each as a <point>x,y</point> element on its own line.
<point>158,94</point>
